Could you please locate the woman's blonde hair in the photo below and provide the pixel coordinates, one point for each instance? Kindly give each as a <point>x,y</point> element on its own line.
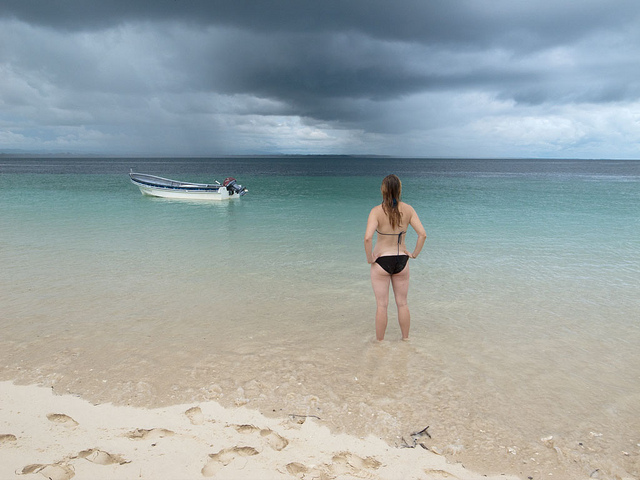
<point>391,192</point>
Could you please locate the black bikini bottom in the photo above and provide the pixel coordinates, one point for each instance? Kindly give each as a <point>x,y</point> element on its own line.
<point>393,264</point>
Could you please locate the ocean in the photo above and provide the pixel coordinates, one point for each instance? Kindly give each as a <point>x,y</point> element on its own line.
<point>523,355</point>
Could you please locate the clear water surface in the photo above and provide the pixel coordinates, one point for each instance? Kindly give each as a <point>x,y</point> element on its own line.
<point>525,301</point>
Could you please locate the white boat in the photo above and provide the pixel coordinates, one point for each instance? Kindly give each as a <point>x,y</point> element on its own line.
<point>166,188</point>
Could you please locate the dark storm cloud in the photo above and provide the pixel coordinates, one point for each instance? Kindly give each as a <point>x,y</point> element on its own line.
<point>439,21</point>
<point>339,49</point>
<point>369,66</point>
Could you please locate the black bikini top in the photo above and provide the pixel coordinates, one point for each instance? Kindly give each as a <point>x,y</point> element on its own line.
<point>398,234</point>
<point>399,237</point>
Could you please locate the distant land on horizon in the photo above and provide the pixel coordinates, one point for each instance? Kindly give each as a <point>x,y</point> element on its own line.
<point>27,154</point>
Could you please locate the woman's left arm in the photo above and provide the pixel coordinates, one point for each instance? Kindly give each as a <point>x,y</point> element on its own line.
<point>372,224</point>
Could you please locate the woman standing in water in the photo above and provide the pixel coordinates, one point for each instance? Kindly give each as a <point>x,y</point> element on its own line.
<point>389,258</point>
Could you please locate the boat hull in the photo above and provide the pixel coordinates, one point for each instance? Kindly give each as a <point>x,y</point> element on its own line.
<point>220,194</point>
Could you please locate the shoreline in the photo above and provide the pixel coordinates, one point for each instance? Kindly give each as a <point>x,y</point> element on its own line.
<point>65,436</point>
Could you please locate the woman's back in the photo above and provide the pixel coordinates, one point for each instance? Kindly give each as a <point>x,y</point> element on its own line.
<point>390,240</point>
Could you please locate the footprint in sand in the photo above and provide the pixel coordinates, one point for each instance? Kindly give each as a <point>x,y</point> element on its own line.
<point>195,416</point>
<point>344,463</point>
<point>225,457</point>
<point>440,474</point>
<point>295,468</point>
<point>7,438</point>
<point>101,457</point>
<point>151,434</point>
<point>274,440</point>
<point>54,471</point>
<point>62,419</point>
<point>246,428</point>
<point>303,472</point>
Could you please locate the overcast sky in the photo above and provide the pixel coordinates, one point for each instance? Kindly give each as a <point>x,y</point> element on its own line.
<point>427,78</point>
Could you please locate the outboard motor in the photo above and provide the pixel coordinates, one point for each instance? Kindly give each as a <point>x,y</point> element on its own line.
<point>234,187</point>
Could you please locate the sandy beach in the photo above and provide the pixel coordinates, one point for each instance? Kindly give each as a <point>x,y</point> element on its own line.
<point>60,437</point>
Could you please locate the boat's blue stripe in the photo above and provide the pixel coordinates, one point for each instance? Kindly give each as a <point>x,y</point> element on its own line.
<point>188,189</point>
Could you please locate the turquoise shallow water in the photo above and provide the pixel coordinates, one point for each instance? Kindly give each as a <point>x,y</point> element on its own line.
<point>525,301</point>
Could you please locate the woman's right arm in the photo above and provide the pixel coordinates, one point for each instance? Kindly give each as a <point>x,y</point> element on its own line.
<point>422,234</point>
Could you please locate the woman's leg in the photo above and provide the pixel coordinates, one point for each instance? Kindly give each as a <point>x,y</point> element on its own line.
<point>380,281</point>
<point>400,282</point>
